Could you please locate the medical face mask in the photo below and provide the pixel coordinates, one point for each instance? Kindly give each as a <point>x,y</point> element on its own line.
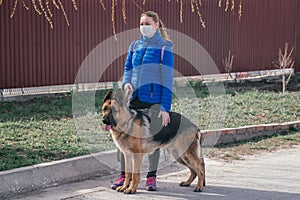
<point>147,30</point>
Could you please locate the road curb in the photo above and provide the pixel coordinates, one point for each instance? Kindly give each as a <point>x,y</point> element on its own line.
<point>80,168</point>
<point>53,173</point>
<point>229,135</point>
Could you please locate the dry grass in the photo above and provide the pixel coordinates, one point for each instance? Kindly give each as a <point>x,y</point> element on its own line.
<point>238,151</point>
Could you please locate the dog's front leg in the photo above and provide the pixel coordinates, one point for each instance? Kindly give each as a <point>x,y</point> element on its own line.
<point>137,164</point>
<point>128,173</point>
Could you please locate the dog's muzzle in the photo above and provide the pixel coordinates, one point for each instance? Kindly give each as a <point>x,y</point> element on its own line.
<point>105,120</point>
<point>109,120</point>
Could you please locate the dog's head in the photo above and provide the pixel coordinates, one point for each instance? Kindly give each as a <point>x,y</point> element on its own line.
<point>115,109</point>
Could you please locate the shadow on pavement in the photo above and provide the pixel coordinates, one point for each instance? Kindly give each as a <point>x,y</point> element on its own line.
<point>174,191</point>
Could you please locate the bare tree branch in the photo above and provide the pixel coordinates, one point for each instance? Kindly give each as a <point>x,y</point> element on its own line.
<point>285,61</point>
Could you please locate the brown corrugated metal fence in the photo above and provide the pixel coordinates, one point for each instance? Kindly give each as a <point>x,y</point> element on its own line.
<point>33,54</point>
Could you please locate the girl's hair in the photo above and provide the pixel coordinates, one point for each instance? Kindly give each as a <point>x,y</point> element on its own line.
<point>161,26</point>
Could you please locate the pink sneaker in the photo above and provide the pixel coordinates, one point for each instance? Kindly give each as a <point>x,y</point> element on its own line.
<point>151,184</point>
<point>119,182</point>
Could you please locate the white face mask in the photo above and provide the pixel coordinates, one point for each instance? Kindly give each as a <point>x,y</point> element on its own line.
<point>147,30</point>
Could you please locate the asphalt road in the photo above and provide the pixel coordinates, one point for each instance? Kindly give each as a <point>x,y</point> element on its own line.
<point>274,176</point>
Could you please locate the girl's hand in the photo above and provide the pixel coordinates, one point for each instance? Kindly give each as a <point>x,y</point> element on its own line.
<point>128,86</point>
<point>165,117</point>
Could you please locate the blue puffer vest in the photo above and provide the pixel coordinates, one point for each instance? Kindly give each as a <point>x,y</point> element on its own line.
<point>150,74</point>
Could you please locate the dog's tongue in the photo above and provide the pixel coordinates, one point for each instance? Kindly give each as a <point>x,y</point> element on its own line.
<point>107,127</point>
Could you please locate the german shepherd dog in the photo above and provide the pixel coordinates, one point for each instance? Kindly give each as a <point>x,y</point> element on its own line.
<point>131,133</point>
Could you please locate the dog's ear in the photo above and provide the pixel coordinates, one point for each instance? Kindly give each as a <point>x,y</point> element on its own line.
<point>107,96</point>
<point>118,96</point>
<point>128,94</point>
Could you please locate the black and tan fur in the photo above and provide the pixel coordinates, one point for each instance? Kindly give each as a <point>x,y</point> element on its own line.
<point>131,133</point>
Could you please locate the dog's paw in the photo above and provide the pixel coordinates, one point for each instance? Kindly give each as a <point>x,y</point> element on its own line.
<point>129,191</point>
<point>198,189</point>
<point>184,184</point>
<point>121,188</point>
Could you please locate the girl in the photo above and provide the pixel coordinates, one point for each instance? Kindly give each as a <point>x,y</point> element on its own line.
<point>148,71</point>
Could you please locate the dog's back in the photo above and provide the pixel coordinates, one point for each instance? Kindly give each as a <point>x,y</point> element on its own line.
<point>177,126</point>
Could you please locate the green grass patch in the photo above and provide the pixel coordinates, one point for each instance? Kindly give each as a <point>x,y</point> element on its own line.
<point>241,109</point>
<point>44,129</point>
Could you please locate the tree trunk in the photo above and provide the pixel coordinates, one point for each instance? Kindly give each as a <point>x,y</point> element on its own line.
<point>283,83</point>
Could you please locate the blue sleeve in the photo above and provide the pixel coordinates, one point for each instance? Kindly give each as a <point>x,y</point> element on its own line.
<point>128,66</point>
<point>167,72</point>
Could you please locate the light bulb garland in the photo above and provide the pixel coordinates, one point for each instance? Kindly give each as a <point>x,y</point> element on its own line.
<point>42,7</point>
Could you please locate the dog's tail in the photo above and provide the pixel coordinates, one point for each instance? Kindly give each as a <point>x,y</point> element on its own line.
<point>201,136</point>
